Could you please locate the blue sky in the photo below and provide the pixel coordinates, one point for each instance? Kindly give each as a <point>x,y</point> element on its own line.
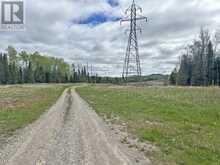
<point>98,18</point>
<point>101,17</point>
<point>113,3</point>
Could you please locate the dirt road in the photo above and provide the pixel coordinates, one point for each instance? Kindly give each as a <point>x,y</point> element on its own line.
<point>70,133</point>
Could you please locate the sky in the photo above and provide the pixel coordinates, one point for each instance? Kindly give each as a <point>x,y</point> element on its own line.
<point>89,31</point>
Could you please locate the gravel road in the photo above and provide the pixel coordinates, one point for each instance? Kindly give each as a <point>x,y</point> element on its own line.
<point>70,133</point>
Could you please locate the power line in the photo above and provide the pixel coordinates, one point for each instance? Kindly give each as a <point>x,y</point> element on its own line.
<point>132,65</point>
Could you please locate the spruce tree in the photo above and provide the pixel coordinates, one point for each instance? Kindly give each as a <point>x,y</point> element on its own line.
<point>173,77</point>
<point>5,77</point>
<point>29,74</point>
<point>184,74</point>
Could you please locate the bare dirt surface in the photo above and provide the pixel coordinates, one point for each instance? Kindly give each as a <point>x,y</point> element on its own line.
<point>70,133</point>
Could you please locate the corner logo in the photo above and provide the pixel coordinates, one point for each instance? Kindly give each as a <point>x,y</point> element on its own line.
<point>12,15</point>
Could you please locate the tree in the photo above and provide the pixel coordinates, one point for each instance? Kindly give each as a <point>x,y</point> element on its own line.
<point>5,76</point>
<point>47,77</point>
<point>13,74</point>
<point>204,39</point>
<point>199,65</point>
<point>12,54</point>
<point>216,56</point>
<point>217,71</point>
<point>31,68</point>
<point>29,74</point>
<point>20,76</point>
<point>66,78</point>
<point>173,77</point>
<point>24,57</point>
<point>39,74</point>
<point>184,74</point>
<point>210,65</point>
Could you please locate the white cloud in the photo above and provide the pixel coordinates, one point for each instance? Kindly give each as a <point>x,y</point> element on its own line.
<point>52,29</point>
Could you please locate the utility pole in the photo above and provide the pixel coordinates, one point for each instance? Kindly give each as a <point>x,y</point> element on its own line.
<point>132,66</point>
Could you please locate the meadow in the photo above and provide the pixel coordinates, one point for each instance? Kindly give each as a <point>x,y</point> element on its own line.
<point>23,104</point>
<point>184,122</point>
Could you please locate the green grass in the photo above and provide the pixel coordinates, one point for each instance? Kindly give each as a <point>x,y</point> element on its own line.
<point>183,122</point>
<point>21,105</point>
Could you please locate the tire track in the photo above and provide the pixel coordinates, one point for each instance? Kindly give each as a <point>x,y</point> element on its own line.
<point>70,133</point>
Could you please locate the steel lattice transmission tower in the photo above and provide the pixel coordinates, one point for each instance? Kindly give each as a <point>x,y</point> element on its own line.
<point>132,66</point>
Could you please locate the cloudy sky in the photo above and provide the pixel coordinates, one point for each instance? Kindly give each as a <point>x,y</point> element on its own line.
<point>82,31</point>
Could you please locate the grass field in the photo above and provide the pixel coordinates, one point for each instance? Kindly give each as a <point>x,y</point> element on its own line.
<point>20,105</point>
<point>183,122</point>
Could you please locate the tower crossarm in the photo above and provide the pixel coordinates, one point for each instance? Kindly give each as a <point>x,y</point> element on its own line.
<point>137,19</point>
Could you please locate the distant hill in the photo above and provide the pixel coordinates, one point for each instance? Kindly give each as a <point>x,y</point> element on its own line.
<point>152,77</point>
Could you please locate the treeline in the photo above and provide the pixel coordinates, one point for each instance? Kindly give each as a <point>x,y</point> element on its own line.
<point>27,67</point>
<point>199,64</point>
<point>24,67</point>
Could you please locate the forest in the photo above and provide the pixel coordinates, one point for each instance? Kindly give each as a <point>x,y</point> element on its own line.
<point>24,67</point>
<point>199,63</point>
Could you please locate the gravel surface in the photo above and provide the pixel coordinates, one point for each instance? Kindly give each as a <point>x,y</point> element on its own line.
<point>70,133</point>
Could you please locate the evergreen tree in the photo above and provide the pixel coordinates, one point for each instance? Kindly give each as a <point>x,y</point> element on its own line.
<point>197,63</point>
<point>39,75</point>
<point>29,75</point>
<point>20,76</point>
<point>201,65</point>
<point>13,76</point>
<point>47,77</point>
<point>184,74</point>
<point>173,77</point>
<point>66,78</point>
<point>5,76</point>
<point>217,71</point>
<point>210,65</point>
